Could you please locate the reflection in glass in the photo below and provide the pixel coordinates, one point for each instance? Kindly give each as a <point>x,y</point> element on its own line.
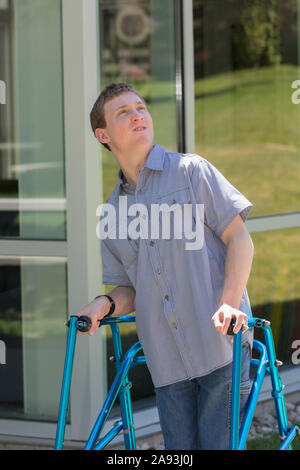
<point>137,41</point>
<point>246,55</point>
<point>32,309</point>
<point>274,286</point>
<point>32,187</point>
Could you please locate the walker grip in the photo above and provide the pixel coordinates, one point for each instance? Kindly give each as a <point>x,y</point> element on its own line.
<point>230,328</point>
<point>232,325</point>
<point>83,323</point>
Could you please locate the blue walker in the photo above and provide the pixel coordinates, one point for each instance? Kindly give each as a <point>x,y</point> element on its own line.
<point>266,364</point>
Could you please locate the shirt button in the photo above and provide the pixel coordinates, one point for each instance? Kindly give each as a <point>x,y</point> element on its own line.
<point>128,238</point>
<point>158,271</point>
<point>175,325</point>
<point>166,297</point>
<point>151,243</point>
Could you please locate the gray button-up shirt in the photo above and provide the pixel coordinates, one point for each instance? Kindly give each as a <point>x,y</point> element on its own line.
<point>177,290</point>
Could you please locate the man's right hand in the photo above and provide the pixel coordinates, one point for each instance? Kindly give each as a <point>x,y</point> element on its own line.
<point>96,311</point>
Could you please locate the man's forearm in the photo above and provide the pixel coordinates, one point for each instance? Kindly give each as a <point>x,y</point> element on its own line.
<point>240,251</point>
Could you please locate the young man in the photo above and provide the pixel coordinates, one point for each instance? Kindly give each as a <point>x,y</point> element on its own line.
<point>184,299</point>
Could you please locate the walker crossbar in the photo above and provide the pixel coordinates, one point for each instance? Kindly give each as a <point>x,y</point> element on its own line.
<point>121,385</point>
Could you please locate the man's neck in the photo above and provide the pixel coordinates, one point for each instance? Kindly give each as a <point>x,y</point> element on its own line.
<point>131,169</point>
<point>131,177</point>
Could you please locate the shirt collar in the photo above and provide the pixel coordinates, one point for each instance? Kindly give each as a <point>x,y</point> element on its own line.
<point>156,157</point>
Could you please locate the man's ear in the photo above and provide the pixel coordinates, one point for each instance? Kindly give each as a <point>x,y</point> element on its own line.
<point>102,136</point>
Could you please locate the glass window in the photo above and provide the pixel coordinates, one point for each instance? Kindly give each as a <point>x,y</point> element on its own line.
<point>246,56</point>
<point>32,336</point>
<point>32,185</point>
<point>138,44</point>
<point>274,287</point>
<point>33,289</point>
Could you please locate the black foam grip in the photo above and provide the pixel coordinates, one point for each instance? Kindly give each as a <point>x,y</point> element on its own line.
<point>83,323</point>
<point>230,328</point>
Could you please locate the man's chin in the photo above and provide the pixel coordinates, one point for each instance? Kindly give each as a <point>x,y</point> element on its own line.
<point>144,142</point>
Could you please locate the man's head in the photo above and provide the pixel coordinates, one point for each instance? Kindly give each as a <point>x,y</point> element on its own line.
<point>117,105</point>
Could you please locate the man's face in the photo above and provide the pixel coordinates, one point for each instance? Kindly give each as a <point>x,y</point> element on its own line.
<point>129,125</point>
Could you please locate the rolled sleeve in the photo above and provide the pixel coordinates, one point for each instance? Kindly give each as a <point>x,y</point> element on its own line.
<point>113,272</point>
<point>222,201</point>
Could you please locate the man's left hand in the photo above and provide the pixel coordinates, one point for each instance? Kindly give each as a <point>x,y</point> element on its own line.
<point>223,316</point>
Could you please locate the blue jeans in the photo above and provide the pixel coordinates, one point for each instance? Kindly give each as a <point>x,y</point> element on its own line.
<point>195,414</point>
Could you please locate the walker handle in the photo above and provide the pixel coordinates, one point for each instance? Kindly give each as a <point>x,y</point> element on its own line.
<point>232,325</point>
<point>83,323</point>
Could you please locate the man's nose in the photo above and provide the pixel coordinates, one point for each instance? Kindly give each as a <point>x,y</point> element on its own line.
<point>136,115</point>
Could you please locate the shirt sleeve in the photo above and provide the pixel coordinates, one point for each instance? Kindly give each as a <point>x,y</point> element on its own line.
<point>222,201</point>
<point>113,272</point>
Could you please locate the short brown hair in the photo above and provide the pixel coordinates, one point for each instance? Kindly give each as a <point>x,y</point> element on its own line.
<point>97,117</point>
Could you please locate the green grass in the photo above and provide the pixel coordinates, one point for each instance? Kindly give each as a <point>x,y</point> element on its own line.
<point>248,127</point>
<point>270,443</point>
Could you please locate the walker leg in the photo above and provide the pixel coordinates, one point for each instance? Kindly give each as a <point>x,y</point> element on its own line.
<point>255,390</point>
<point>235,398</point>
<point>124,394</point>
<point>277,387</point>
<point>127,417</point>
<point>66,384</point>
<point>118,382</point>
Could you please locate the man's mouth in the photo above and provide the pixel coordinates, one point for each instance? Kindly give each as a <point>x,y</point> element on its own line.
<point>139,129</point>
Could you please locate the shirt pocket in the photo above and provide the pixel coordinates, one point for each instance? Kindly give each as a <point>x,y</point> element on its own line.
<point>173,210</point>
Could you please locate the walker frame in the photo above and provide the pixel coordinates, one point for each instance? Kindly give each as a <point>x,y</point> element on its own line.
<point>266,364</point>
